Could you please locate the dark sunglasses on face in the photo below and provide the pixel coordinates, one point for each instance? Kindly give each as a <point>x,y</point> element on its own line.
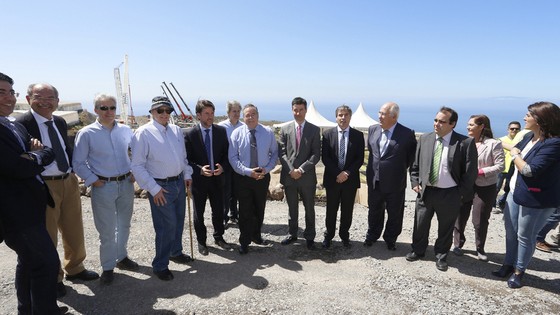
<point>514,129</point>
<point>162,110</point>
<point>105,108</point>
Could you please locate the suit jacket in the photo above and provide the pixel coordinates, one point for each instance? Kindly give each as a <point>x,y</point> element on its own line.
<point>490,160</point>
<point>308,156</point>
<point>23,198</point>
<point>541,190</point>
<point>354,158</point>
<point>391,168</point>
<point>32,127</point>
<point>461,159</point>
<point>196,152</point>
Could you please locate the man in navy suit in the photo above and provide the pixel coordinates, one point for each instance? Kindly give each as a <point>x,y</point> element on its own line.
<point>443,175</point>
<point>207,148</point>
<point>391,152</point>
<point>23,199</point>
<point>343,155</point>
<point>66,214</point>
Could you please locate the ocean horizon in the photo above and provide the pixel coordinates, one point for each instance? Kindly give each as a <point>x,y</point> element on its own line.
<point>417,116</point>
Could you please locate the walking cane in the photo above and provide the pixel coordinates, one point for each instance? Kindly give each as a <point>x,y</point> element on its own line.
<point>190,220</point>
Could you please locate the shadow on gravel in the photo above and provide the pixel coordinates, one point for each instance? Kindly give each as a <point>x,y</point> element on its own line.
<point>469,264</point>
<point>140,291</point>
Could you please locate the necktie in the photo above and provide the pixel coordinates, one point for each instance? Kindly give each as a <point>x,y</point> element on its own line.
<point>383,142</point>
<point>8,124</point>
<point>60,155</point>
<point>434,171</point>
<point>298,137</point>
<point>208,145</point>
<point>254,162</point>
<point>341,151</point>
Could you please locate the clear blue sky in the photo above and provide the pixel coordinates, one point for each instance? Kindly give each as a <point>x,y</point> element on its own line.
<point>467,54</point>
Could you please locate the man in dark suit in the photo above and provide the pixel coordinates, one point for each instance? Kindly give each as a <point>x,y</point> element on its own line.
<point>66,215</point>
<point>23,199</point>
<point>391,152</point>
<point>343,155</point>
<point>207,149</point>
<point>443,175</point>
<point>300,151</point>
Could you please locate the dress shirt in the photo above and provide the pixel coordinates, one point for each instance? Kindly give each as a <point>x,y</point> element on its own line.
<point>444,178</point>
<point>230,127</point>
<point>389,135</point>
<point>102,151</point>
<point>158,152</point>
<point>240,149</point>
<point>51,169</point>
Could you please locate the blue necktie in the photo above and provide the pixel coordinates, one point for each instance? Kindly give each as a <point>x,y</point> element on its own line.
<point>254,158</point>
<point>341,151</point>
<point>60,155</point>
<point>208,145</point>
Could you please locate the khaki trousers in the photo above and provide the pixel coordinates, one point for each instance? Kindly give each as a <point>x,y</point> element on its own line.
<point>66,217</point>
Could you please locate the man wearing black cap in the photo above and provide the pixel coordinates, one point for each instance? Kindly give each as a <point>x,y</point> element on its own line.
<point>160,166</point>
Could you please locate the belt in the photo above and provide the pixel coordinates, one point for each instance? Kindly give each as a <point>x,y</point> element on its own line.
<point>114,179</point>
<point>58,177</point>
<point>169,179</point>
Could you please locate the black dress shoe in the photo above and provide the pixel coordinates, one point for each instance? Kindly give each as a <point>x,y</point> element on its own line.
<point>326,244</point>
<point>60,290</point>
<point>391,246</point>
<point>243,249</point>
<point>164,275</point>
<point>62,310</point>
<point>368,243</point>
<point>310,244</point>
<point>222,243</point>
<point>504,271</point>
<point>107,277</point>
<point>514,280</point>
<point>441,265</point>
<point>203,249</point>
<point>288,240</point>
<point>412,256</point>
<point>127,264</point>
<point>85,275</point>
<point>181,259</point>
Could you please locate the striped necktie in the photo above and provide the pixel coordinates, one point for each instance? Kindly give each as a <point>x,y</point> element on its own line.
<point>436,161</point>
<point>342,151</point>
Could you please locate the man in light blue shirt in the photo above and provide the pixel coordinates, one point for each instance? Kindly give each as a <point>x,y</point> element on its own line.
<point>253,153</point>
<point>101,160</point>
<point>233,109</point>
<point>160,166</point>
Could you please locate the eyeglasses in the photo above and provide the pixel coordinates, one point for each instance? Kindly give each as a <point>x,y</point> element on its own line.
<point>514,129</point>
<point>41,99</point>
<point>443,122</point>
<point>6,93</point>
<point>164,110</point>
<point>105,108</point>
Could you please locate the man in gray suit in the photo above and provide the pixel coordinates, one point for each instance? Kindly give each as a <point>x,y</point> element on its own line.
<point>300,151</point>
<point>442,175</point>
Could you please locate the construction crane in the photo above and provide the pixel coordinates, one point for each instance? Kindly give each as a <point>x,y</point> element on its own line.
<point>123,95</point>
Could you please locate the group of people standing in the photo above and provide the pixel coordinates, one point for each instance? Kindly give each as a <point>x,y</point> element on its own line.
<point>229,164</point>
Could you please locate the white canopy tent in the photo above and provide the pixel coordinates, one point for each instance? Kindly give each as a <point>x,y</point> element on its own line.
<point>312,116</point>
<point>361,120</point>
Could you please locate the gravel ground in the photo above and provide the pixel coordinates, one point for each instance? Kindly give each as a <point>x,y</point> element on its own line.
<point>292,280</point>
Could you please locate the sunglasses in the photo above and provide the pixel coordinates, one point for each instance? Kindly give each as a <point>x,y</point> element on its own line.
<point>513,129</point>
<point>164,110</point>
<point>105,108</point>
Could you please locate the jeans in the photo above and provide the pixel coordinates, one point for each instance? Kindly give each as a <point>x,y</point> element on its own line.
<point>550,224</point>
<point>169,221</point>
<point>503,178</point>
<point>522,224</point>
<point>112,206</point>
